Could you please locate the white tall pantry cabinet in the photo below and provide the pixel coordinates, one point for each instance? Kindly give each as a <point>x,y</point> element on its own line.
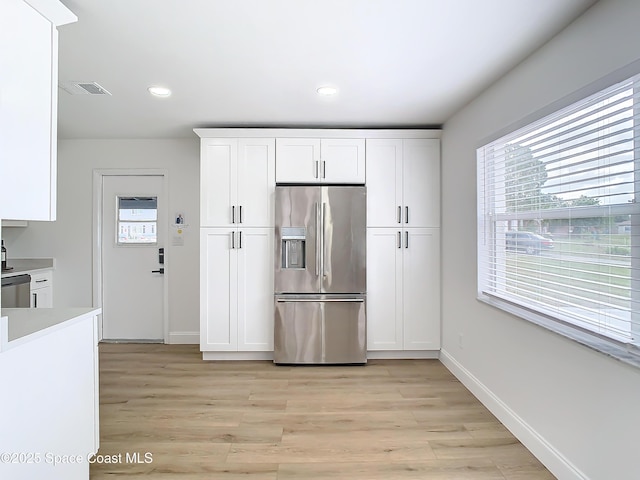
<point>237,185</point>
<point>239,170</point>
<point>403,244</point>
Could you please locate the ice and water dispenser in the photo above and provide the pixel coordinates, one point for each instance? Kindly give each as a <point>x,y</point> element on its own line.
<point>293,247</point>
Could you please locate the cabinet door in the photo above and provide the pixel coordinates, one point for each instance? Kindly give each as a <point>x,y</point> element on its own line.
<point>42,289</point>
<point>384,183</point>
<point>218,184</point>
<point>384,289</point>
<point>297,160</point>
<point>218,290</point>
<point>421,183</point>
<point>28,50</point>
<point>421,288</point>
<point>343,161</point>
<point>255,289</point>
<point>256,182</point>
<point>42,298</point>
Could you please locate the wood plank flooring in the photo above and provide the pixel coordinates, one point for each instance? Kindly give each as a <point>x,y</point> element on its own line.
<point>253,420</point>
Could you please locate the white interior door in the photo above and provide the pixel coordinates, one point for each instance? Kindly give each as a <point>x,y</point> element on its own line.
<point>134,228</point>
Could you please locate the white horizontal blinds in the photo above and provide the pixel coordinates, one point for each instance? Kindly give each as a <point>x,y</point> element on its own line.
<point>559,229</point>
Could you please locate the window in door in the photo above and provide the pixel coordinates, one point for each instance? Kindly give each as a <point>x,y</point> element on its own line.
<point>137,219</point>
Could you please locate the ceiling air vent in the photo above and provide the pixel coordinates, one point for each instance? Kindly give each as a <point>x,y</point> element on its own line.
<point>83,88</point>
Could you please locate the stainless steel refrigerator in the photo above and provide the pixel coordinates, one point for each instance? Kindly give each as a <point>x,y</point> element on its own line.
<point>320,275</point>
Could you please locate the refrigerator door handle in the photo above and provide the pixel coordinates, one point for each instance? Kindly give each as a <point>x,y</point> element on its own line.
<point>317,239</point>
<point>324,212</point>
<point>327,300</point>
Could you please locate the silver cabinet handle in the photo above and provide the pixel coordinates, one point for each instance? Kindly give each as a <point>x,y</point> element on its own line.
<point>399,240</point>
<point>240,213</point>
<point>233,214</point>
<point>42,280</point>
<point>316,173</point>
<point>406,214</point>
<point>324,169</point>
<point>240,239</point>
<point>233,239</point>
<point>399,214</point>
<point>406,239</point>
<point>35,300</point>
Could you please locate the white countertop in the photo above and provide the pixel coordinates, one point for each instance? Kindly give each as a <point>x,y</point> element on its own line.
<point>27,265</point>
<point>21,325</point>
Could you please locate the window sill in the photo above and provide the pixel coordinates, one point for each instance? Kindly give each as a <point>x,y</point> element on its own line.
<point>623,353</point>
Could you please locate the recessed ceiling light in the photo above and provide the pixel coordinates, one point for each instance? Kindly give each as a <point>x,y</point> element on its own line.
<point>327,90</point>
<point>159,91</point>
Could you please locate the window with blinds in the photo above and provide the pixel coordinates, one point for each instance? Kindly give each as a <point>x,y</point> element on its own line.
<point>558,222</point>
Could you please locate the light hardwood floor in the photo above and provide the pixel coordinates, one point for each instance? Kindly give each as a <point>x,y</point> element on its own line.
<point>254,420</point>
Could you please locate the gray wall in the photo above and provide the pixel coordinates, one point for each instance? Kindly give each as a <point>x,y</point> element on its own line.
<point>576,409</point>
<point>69,238</point>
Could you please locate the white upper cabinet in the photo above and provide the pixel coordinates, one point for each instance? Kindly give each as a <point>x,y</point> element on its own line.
<point>403,183</point>
<point>237,182</point>
<point>421,182</point>
<point>384,183</point>
<point>343,160</point>
<point>28,107</point>
<point>314,160</point>
<point>297,160</point>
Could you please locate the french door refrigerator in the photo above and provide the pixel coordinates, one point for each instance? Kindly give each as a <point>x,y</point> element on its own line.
<point>320,275</point>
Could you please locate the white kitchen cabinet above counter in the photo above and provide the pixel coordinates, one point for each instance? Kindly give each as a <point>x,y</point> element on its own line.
<point>29,106</point>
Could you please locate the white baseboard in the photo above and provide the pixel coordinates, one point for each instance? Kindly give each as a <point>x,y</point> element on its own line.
<point>184,338</point>
<point>557,463</point>
<point>401,354</point>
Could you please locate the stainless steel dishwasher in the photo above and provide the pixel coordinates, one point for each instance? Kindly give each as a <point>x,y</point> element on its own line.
<point>16,291</point>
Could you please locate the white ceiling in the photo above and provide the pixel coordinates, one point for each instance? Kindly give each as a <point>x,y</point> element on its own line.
<point>397,63</point>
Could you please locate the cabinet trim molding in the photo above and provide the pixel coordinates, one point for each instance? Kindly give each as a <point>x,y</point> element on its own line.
<point>317,133</point>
